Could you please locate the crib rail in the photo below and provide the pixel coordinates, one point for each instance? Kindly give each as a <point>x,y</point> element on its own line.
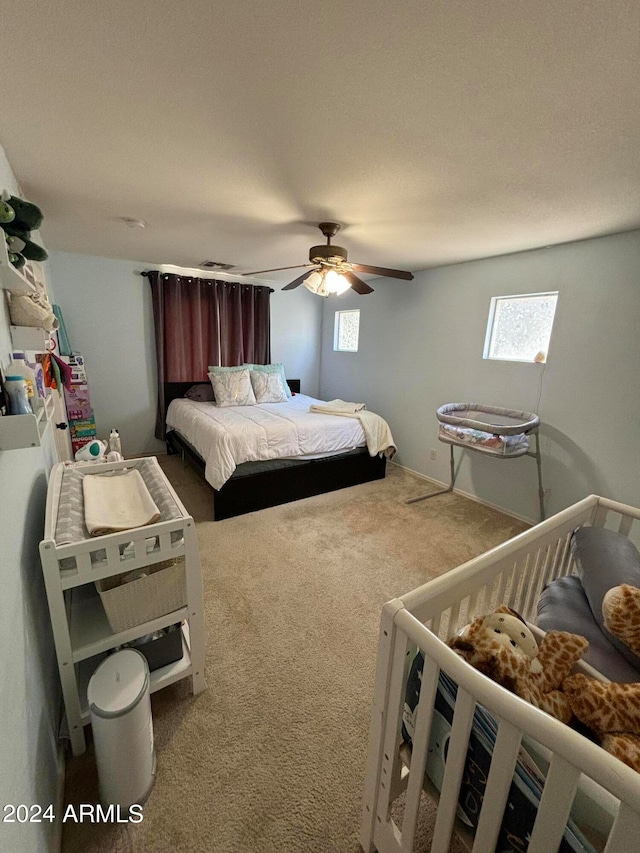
<point>512,573</point>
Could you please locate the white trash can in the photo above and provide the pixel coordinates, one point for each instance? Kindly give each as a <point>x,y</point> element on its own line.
<point>120,705</point>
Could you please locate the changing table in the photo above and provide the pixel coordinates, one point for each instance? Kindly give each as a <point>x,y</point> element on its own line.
<point>72,562</point>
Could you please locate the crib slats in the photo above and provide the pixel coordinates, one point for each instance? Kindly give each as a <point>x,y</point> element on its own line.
<point>454,613</point>
<point>473,602</point>
<point>454,768</point>
<point>428,690</point>
<point>505,576</point>
<point>625,525</point>
<point>503,762</point>
<point>434,624</point>
<point>390,762</point>
<point>560,567</point>
<point>532,596</point>
<point>625,832</point>
<point>555,806</point>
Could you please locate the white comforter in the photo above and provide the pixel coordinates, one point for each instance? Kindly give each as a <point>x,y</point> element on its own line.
<point>227,437</point>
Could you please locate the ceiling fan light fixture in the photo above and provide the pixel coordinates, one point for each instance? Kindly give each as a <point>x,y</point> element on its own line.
<point>333,274</point>
<point>336,283</point>
<point>315,283</point>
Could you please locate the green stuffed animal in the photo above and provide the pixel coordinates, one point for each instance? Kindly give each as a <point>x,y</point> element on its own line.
<point>7,213</point>
<point>18,218</point>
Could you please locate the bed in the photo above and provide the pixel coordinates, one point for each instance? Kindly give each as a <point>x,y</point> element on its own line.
<point>581,783</point>
<point>260,482</point>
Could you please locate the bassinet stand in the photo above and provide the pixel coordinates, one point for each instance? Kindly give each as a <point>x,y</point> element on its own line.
<point>513,423</point>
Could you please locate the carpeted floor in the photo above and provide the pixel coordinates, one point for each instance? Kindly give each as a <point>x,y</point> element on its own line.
<point>270,758</point>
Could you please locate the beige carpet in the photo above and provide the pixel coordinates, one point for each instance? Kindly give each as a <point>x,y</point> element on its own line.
<point>271,756</point>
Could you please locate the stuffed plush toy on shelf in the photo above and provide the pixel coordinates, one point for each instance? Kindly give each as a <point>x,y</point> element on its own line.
<point>18,218</point>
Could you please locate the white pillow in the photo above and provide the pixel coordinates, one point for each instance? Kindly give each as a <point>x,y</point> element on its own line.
<point>268,387</point>
<point>232,388</point>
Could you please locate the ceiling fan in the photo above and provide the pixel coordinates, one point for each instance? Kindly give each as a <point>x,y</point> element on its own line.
<point>332,273</point>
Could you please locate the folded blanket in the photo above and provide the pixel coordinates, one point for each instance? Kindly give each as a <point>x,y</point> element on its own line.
<point>337,407</point>
<point>117,501</point>
<point>376,430</point>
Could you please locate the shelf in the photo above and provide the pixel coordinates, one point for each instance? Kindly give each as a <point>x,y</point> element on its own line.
<point>29,339</point>
<point>12,279</point>
<point>89,627</point>
<point>20,431</point>
<point>159,678</point>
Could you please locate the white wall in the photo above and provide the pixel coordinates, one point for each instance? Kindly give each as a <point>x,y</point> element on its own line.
<point>107,310</point>
<point>30,694</point>
<point>421,345</point>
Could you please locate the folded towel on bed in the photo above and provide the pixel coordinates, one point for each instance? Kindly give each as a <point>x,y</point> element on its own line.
<point>376,429</point>
<point>337,407</point>
<point>117,501</point>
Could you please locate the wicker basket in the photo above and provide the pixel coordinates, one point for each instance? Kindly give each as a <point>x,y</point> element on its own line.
<point>163,590</point>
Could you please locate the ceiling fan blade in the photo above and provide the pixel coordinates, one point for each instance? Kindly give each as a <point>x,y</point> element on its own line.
<point>383,271</point>
<point>278,269</point>
<point>297,281</point>
<point>357,284</point>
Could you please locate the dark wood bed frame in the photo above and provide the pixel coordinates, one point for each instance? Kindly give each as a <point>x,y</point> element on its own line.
<point>277,486</point>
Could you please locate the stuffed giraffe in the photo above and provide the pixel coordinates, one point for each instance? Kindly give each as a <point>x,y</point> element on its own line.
<point>612,711</point>
<point>502,646</point>
<point>621,613</point>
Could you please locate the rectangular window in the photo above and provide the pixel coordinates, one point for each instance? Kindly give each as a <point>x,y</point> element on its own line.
<point>346,331</point>
<point>519,327</point>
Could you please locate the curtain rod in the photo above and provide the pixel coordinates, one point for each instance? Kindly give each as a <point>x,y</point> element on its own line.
<point>145,274</point>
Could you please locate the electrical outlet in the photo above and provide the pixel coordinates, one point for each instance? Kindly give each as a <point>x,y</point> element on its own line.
<point>433,455</point>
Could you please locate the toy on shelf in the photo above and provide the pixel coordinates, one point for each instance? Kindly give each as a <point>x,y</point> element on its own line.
<point>92,451</point>
<point>33,309</point>
<point>18,227</point>
<point>17,219</point>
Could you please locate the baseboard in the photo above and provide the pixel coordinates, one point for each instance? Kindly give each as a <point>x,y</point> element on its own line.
<point>59,803</point>
<point>464,494</point>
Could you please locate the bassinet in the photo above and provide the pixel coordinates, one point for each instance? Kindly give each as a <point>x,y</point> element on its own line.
<point>492,430</point>
<point>514,573</point>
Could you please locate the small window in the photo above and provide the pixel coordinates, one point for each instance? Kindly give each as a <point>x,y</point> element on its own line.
<point>519,327</point>
<point>347,329</point>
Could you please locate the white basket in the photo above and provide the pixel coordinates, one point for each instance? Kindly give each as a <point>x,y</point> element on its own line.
<point>162,591</point>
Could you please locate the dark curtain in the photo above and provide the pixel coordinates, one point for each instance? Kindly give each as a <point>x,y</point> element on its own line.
<point>201,321</point>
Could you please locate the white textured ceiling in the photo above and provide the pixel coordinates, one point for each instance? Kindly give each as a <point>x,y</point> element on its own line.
<point>434,130</point>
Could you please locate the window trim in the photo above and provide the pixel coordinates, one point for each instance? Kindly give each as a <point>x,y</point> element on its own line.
<point>336,329</point>
<point>491,320</point>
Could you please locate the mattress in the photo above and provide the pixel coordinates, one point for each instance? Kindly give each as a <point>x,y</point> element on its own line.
<point>231,436</point>
<point>500,445</point>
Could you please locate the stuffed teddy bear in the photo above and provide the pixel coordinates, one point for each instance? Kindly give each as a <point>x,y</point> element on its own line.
<point>33,309</point>
<point>612,710</point>
<point>502,646</point>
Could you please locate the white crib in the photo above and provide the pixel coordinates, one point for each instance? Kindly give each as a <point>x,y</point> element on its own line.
<point>513,573</point>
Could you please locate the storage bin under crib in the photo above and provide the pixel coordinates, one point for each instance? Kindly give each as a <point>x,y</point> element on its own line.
<point>589,799</point>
